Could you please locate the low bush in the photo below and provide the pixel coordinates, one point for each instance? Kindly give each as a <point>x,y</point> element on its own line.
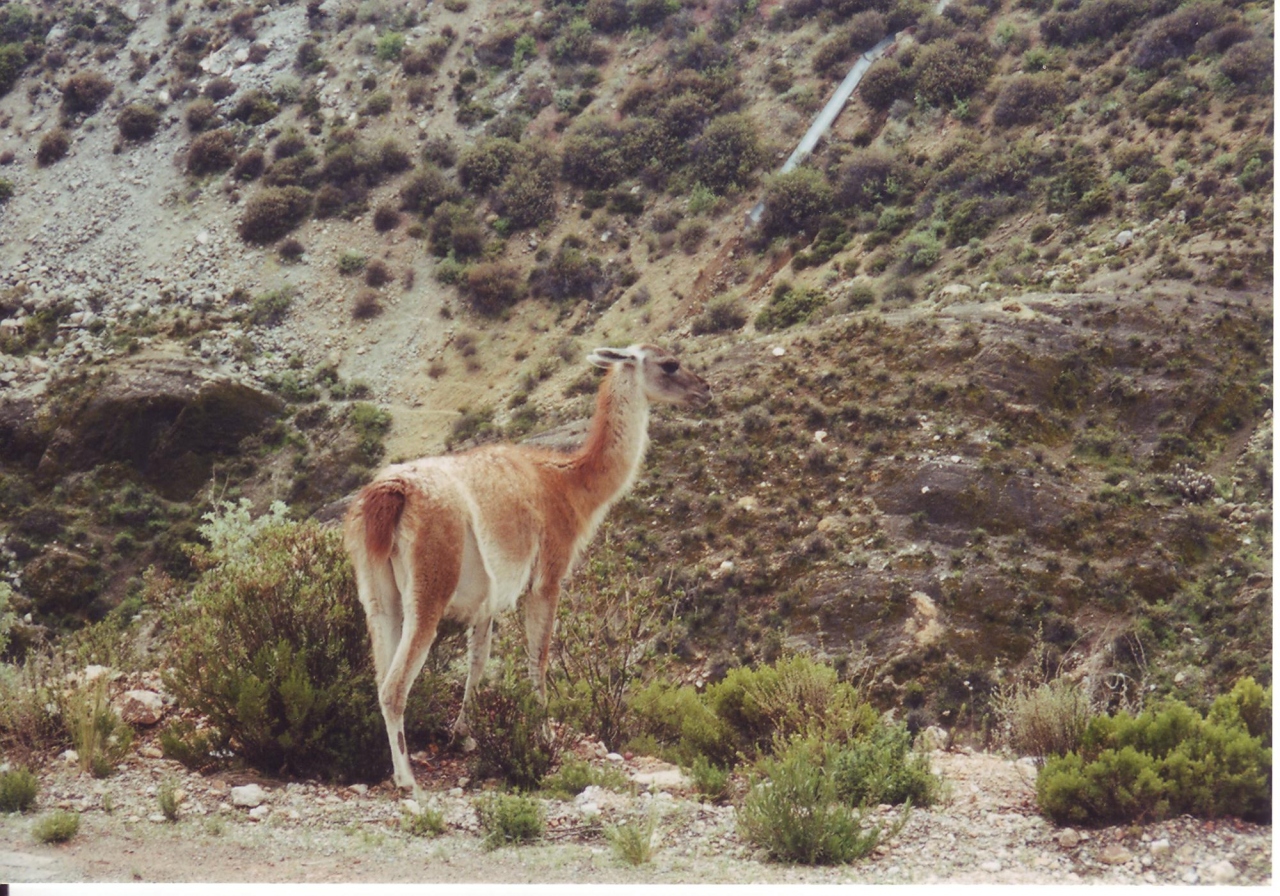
<point>272,212</point>
<point>367,305</point>
<point>377,273</point>
<point>386,217</point>
<point>18,788</point>
<point>794,813</point>
<point>485,164</point>
<point>492,287</point>
<point>1025,98</point>
<point>201,114</point>
<point>53,147</point>
<point>795,203</point>
<point>271,647</point>
<point>58,826</point>
<point>885,82</point>
<point>720,316</point>
<point>869,177</point>
<point>12,61</point>
<point>427,190</point>
<point>255,107</point>
<point>84,92</point>
<point>211,152</point>
<point>726,154</point>
<point>138,121</point>
<point>678,719</point>
<point>424,58</point>
<point>269,309</point>
<point>511,728</point>
<point>1175,36</point>
<point>526,196</point>
<point>949,70</point>
<point>1167,761</point>
<point>426,822</point>
<point>789,306</point>
<point>880,767</point>
<point>250,164</point>
<point>510,818</point>
<point>709,780</point>
<point>571,273</point>
<point>1249,65</point>
<point>1048,720</point>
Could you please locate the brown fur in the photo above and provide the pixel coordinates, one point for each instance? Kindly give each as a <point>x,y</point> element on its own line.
<point>381,504</point>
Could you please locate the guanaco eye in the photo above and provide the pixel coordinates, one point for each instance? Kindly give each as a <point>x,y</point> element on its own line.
<point>669,367</point>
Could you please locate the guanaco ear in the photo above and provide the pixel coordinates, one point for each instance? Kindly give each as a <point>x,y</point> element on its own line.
<point>607,357</point>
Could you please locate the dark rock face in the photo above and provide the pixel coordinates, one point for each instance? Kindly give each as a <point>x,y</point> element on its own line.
<point>23,435</point>
<point>61,582</point>
<point>167,418</point>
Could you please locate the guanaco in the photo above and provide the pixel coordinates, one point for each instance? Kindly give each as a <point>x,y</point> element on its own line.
<point>462,536</point>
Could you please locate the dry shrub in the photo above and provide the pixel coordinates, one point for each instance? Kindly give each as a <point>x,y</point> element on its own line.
<point>1025,98</point>
<point>1047,720</point>
<point>201,114</point>
<point>377,273</point>
<point>367,305</point>
<point>385,217</point>
<point>85,92</point>
<point>250,164</point>
<point>273,212</point>
<point>493,286</point>
<point>138,121</point>
<point>211,152</point>
<point>53,146</point>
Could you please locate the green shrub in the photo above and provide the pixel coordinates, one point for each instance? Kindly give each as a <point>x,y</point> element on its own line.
<point>56,827</point>
<point>85,91</point>
<point>424,58</point>
<point>195,749</point>
<point>1049,720</point>
<point>510,818</point>
<point>270,308</point>
<point>1166,761</point>
<point>427,822</point>
<point>486,163</point>
<point>632,842</point>
<point>594,155</point>
<point>709,779</point>
<point>795,203</point>
<point>18,789</point>
<point>726,154</point>
<point>271,648</point>
<point>53,147</point>
<point>920,251</point>
<point>570,274</point>
<point>378,104</point>
<point>12,61</point>
<point>880,767</point>
<point>869,177</point>
<point>138,121</point>
<point>790,306</point>
<point>211,152</point>
<point>574,776</point>
<point>167,800</point>
<point>272,212</point>
<point>370,424</point>
<point>1248,65</point>
<point>795,697</point>
<point>389,46</point>
<point>427,190</point>
<point>720,316</point>
<point>527,194</point>
<point>351,263</point>
<point>885,81</point>
<point>949,70</point>
<point>794,813</point>
<point>678,718</point>
<point>513,738</point>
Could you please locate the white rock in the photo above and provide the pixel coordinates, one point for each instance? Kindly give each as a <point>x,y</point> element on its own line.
<point>93,673</point>
<point>140,707</point>
<point>1068,838</point>
<point>992,867</point>
<point>257,813</point>
<point>1161,849</point>
<point>779,351</point>
<point>249,796</point>
<point>614,757</point>
<point>1220,872</point>
<point>1124,238</point>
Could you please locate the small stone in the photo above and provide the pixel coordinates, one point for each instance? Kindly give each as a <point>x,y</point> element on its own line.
<point>1114,854</point>
<point>779,351</point>
<point>1190,877</point>
<point>249,796</point>
<point>1221,872</point>
<point>1068,838</point>
<point>614,757</point>
<point>1161,850</point>
<point>156,817</point>
<point>359,789</point>
<point>257,813</point>
<point>1124,238</point>
<point>150,752</point>
<point>992,867</point>
<point>140,707</point>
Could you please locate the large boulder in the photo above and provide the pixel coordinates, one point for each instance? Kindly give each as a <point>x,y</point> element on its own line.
<point>61,582</point>
<point>167,417</point>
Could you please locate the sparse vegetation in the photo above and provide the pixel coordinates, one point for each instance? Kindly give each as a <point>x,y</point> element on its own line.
<point>58,826</point>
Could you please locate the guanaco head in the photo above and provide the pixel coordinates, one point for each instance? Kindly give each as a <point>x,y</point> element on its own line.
<point>662,376</point>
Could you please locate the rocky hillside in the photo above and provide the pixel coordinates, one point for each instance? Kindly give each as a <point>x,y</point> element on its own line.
<point>993,370</point>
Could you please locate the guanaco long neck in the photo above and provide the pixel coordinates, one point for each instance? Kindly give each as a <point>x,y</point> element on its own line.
<point>608,461</point>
